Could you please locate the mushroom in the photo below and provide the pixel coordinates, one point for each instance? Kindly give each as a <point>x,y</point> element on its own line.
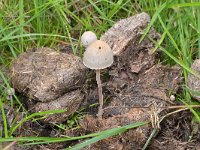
<point>87,38</point>
<point>98,55</point>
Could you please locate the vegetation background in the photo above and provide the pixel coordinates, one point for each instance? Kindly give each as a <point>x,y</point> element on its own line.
<point>26,24</point>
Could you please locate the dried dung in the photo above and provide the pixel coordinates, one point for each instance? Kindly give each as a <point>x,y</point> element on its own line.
<point>194,81</point>
<point>44,74</point>
<point>127,140</point>
<point>136,78</point>
<point>50,81</point>
<point>125,31</point>
<point>69,102</point>
<point>150,87</point>
<point>138,84</point>
<point>124,38</point>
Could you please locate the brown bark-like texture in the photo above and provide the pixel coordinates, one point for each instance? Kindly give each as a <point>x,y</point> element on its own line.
<point>50,80</point>
<point>44,74</point>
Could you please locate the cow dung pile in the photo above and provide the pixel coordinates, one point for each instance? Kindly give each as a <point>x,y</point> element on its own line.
<point>137,87</point>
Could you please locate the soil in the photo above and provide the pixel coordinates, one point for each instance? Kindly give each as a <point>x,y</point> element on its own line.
<point>136,88</point>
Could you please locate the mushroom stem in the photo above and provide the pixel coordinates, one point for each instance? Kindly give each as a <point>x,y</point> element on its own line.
<point>100,111</point>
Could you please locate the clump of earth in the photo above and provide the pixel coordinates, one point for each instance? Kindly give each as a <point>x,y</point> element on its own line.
<point>50,80</point>
<point>137,88</point>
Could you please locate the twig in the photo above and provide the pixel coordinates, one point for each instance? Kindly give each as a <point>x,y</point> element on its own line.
<point>148,107</point>
<point>155,130</point>
<point>10,146</point>
<point>171,113</point>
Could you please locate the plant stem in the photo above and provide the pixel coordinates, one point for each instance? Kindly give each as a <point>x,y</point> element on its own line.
<point>100,111</point>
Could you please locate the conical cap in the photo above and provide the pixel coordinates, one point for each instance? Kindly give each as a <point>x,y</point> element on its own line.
<point>98,55</point>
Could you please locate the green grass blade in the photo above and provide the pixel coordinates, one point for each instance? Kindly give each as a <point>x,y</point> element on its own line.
<point>35,34</point>
<point>4,119</point>
<point>180,5</point>
<point>116,7</point>
<point>21,22</point>
<point>106,134</point>
<point>45,140</point>
<point>198,25</point>
<point>153,19</point>
<point>49,112</point>
<point>175,59</point>
<point>192,110</point>
<point>159,42</point>
<point>98,10</point>
<point>169,35</point>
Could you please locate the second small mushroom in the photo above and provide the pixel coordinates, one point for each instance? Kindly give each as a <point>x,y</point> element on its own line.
<point>98,55</point>
<point>88,38</point>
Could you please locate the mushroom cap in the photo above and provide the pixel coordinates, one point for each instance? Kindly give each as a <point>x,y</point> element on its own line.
<point>87,38</point>
<point>98,55</point>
